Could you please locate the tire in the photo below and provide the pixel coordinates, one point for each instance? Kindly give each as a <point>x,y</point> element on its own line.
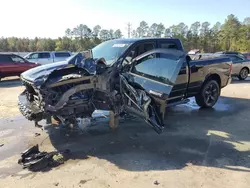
<point>243,74</point>
<point>209,94</point>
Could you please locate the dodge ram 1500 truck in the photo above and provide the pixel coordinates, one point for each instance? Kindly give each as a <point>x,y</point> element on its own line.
<point>134,76</point>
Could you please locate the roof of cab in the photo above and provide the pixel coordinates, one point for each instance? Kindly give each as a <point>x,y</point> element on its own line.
<point>141,39</point>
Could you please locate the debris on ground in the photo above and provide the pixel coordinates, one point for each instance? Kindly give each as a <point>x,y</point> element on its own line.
<point>1,145</point>
<point>156,182</point>
<point>37,134</point>
<point>35,160</point>
<point>56,184</point>
<point>84,181</point>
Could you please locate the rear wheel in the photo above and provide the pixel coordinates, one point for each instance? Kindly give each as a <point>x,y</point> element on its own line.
<point>243,74</point>
<point>208,95</point>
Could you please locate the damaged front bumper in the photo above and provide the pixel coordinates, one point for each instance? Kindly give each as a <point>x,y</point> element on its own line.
<point>28,109</point>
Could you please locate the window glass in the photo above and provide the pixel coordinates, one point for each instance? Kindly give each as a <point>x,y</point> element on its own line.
<point>110,50</point>
<point>138,50</point>
<point>5,59</point>
<point>62,54</point>
<point>17,59</point>
<point>168,45</point>
<point>34,56</point>
<point>235,59</point>
<point>142,48</point>
<point>43,55</point>
<point>159,69</point>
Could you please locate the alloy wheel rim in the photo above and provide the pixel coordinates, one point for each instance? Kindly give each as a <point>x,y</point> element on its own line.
<point>244,73</point>
<point>211,94</point>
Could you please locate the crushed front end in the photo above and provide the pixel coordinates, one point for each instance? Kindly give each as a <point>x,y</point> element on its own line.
<point>30,102</point>
<point>62,90</point>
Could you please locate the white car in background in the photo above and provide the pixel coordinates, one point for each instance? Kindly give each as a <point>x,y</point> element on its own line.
<point>47,57</point>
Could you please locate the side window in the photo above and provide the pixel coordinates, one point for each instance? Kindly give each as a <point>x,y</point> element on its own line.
<point>168,45</point>
<point>159,69</point>
<point>33,56</point>
<point>138,50</point>
<point>62,54</point>
<point>44,55</point>
<point>5,59</point>
<point>17,59</point>
<point>235,59</point>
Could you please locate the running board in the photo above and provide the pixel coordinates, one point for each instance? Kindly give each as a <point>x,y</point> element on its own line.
<point>184,101</point>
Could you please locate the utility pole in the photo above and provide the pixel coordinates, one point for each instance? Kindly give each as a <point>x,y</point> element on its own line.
<point>129,29</point>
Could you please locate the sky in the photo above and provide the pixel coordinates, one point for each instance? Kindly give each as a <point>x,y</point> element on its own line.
<point>50,18</point>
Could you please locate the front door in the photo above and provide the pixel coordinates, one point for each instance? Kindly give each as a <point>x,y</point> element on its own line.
<point>20,64</point>
<point>147,86</point>
<point>33,57</point>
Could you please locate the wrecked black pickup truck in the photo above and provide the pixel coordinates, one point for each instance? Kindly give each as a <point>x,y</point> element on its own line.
<point>125,76</point>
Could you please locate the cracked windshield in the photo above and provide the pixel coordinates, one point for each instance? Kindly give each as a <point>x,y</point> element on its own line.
<point>108,93</point>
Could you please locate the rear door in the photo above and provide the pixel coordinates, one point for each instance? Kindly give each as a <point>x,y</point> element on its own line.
<point>146,87</point>
<point>45,58</point>
<point>61,56</point>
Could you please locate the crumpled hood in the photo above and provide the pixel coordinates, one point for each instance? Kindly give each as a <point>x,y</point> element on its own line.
<point>39,75</point>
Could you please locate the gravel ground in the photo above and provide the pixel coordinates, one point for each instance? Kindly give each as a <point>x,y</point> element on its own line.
<point>199,148</point>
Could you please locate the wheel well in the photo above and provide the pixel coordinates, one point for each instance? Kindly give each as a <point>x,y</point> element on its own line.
<point>215,77</point>
<point>246,68</point>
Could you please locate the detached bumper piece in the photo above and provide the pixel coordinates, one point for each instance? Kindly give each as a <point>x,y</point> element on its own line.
<point>34,160</point>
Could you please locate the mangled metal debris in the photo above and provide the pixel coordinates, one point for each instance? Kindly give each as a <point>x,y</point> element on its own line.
<point>34,160</point>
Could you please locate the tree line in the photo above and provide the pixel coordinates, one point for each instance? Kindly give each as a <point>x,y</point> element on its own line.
<point>77,39</point>
<point>231,35</point>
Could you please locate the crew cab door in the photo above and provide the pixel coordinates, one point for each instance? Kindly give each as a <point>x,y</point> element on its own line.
<point>146,87</point>
<point>45,58</point>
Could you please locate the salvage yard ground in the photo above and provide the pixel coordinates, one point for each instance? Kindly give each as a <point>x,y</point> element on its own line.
<point>199,148</point>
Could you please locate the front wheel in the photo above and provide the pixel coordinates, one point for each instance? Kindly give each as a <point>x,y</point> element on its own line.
<point>208,95</point>
<point>243,74</point>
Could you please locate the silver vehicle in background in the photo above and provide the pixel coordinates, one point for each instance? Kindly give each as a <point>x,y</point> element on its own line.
<point>47,57</point>
<point>241,64</point>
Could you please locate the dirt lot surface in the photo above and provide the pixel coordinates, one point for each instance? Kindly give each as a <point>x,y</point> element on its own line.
<point>199,148</point>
